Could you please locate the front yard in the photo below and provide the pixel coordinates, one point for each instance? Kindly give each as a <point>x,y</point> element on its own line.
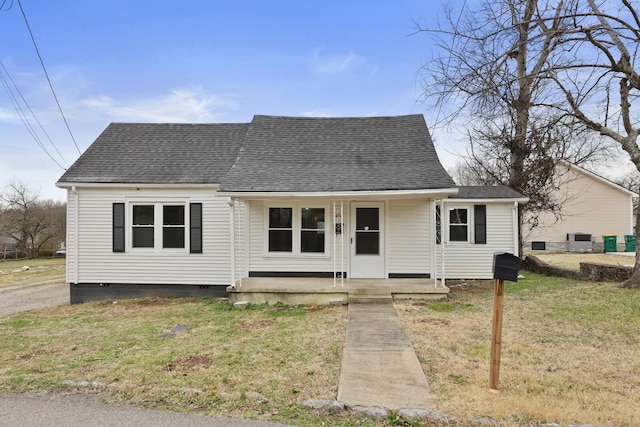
<point>569,354</point>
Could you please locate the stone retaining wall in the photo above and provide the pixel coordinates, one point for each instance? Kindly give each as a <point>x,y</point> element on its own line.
<point>588,271</point>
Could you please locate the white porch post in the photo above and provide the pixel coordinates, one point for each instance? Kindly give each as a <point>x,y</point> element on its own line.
<point>240,242</point>
<point>232,220</point>
<point>342,231</point>
<point>335,243</point>
<point>442,241</point>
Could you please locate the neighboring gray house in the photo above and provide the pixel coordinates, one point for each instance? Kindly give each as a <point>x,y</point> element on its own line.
<point>189,209</point>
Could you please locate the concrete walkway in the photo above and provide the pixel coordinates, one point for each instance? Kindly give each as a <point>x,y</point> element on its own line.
<point>379,366</point>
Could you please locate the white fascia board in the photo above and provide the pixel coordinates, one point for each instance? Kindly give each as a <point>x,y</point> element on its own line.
<point>68,185</point>
<point>503,200</point>
<point>387,194</point>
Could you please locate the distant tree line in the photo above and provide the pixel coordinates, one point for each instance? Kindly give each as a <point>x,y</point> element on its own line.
<point>28,224</point>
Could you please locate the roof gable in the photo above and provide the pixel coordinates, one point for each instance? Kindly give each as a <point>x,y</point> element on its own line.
<point>597,177</point>
<point>301,154</point>
<point>159,153</point>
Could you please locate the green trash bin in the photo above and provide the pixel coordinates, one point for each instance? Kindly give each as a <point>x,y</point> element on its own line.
<point>610,242</point>
<point>629,243</point>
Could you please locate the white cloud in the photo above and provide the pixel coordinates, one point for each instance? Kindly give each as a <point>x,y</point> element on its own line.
<point>324,63</point>
<point>180,105</point>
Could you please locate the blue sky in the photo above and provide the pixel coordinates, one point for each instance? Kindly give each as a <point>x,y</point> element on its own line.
<point>201,61</point>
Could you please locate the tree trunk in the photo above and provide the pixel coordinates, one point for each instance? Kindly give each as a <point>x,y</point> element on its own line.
<point>633,282</point>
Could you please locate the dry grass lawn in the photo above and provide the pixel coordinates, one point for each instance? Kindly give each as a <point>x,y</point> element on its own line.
<point>42,269</point>
<point>257,363</point>
<point>569,352</point>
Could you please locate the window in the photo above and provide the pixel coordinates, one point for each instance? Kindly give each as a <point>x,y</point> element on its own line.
<point>158,226</point>
<point>464,224</point>
<point>280,229</point>
<point>296,230</point>
<point>173,226</point>
<point>142,232</point>
<point>312,231</point>
<point>458,225</point>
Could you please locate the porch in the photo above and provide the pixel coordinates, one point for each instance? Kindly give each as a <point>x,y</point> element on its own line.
<point>326,291</point>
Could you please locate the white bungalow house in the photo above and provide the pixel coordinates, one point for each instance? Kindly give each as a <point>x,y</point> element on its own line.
<point>190,209</point>
<point>591,207</point>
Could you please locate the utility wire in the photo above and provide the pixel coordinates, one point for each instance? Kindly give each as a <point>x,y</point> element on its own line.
<point>47,75</point>
<point>6,81</point>
<point>24,119</point>
<point>2,8</point>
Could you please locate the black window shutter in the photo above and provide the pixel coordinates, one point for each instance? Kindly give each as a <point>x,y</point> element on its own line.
<point>195,224</point>
<point>118,227</point>
<point>480,223</point>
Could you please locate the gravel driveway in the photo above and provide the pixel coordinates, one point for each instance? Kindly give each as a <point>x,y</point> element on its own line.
<point>32,296</point>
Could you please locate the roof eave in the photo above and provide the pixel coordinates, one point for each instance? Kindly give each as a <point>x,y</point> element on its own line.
<point>439,192</point>
<point>489,200</point>
<point>69,185</point>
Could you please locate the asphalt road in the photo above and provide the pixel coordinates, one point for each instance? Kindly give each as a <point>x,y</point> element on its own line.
<point>85,410</point>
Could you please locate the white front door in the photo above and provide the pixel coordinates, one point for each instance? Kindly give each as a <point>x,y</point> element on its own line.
<point>367,241</point>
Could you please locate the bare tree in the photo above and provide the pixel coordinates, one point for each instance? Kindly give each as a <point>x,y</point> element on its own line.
<point>600,80</point>
<point>30,222</point>
<point>494,73</point>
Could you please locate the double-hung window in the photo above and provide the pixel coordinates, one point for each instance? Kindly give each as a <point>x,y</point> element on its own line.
<point>458,225</point>
<point>464,224</point>
<point>280,229</point>
<point>296,230</point>
<point>312,230</point>
<point>143,226</point>
<point>172,227</point>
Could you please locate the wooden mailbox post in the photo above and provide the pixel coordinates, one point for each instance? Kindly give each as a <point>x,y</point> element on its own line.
<point>505,267</point>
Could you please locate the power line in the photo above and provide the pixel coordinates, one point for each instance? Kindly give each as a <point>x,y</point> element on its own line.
<point>23,116</point>
<point>2,8</point>
<point>21,113</point>
<point>47,75</point>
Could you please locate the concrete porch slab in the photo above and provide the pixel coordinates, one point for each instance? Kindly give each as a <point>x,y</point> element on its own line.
<point>321,291</point>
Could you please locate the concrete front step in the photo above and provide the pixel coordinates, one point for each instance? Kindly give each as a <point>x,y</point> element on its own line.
<point>371,299</point>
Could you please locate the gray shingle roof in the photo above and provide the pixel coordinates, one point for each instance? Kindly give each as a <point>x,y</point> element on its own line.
<point>149,153</point>
<point>486,192</point>
<point>299,154</point>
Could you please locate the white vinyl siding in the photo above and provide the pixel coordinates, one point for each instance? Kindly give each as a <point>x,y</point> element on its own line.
<point>475,261</point>
<point>99,264</point>
<point>408,237</point>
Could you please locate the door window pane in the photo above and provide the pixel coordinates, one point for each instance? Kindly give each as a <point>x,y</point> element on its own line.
<point>367,243</point>
<point>367,219</point>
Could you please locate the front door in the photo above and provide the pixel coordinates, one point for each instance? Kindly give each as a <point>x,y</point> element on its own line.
<point>367,241</point>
